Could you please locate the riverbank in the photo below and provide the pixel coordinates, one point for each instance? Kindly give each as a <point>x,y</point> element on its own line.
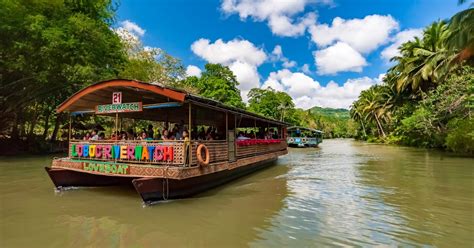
<point>9,147</point>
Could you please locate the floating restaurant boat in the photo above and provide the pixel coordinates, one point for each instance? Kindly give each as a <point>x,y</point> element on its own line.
<point>303,137</point>
<point>162,169</point>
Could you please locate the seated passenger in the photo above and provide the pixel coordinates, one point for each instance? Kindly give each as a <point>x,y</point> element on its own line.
<point>150,132</point>
<point>144,136</point>
<point>95,135</point>
<point>185,135</point>
<point>242,136</point>
<point>101,136</point>
<point>275,134</point>
<point>165,135</point>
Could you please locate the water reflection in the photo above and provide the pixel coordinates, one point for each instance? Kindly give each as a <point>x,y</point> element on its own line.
<point>346,193</point>
<point>104,217</point>
<point>351,193</point>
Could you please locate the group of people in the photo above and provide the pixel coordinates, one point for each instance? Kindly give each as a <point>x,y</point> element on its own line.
<point>94,135</point>
<point>180,132</point>
<point>262,133</point>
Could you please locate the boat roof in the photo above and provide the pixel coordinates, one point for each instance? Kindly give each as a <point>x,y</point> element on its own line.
<point>86,99</point>
<point>304,128</point>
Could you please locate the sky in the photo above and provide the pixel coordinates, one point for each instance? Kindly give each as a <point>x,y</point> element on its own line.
<point>320,52</point>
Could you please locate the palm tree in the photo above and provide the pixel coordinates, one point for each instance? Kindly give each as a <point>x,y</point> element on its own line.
<point>423,61</point>
<point>356,114</point>
<point>374,106</point>
<point>462,34</point>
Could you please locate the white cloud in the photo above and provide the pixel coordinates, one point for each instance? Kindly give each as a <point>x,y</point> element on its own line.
<point>289,63</point>
<point>193,70</point>
<point>228,52</point>
<point>132,28</point>
<point>364,35</point>
<point>305,69</point>
<point>285,26</point>
<point>246,74</point>
<point>400,38</point>
<point>295,84</point>
<point>306,92</point>
<point>338,57</point>
<point>277,55</point>
<point>279,14</point>
<point>242,57</point>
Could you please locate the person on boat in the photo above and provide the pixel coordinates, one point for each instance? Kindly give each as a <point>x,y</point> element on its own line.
<point>95,135</point>
<point>166,135</point>
<point>123,135</point>
<point>130,134</point>
<point>158,134</point>
<point>176,132</point>
<point>150,132</point>
<point>185,135</point>
<point>202,134</point>
<point>275,134</point>
<point>87,136</point>
<point>252,135</point>
<point>242,136</point>
<point>101,136</point>
<point>144,136</point>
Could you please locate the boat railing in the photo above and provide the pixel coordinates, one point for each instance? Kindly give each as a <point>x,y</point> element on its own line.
<point>218,150</point>
<point>167,152</point>
<point>248,148</point>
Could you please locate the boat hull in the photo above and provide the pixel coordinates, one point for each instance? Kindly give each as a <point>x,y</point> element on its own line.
<point>158,189</point>
<point>153,189</point>
<point>63,178</point>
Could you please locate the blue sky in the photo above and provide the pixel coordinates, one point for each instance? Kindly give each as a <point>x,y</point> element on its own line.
<point>321,52</point>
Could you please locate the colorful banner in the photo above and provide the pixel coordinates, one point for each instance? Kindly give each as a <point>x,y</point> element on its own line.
<point>119,108</point>
<point>151,153</point>
<point>104,167</point>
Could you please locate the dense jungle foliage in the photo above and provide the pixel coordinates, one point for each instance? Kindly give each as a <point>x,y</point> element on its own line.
<point>51,49</point>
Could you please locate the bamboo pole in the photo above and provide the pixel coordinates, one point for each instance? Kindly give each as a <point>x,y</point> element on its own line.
<point>116,123</point>
<point>70,128</point>
<point>190,153</point>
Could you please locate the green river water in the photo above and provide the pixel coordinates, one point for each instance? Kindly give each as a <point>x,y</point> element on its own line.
<point>345,193</point>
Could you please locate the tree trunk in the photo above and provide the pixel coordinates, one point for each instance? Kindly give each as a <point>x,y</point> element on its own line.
<point>15,132</point>
<point>379,126</point>
<point>57,124</point>
<point>46,124</point>
<point>363,128</point>
<point>34,120</point>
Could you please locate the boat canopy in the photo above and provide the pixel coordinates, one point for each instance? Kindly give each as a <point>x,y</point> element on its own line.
<point>151,101</point>
<point>289,129</point>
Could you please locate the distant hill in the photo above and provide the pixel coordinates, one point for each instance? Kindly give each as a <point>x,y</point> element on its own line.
<point>330,112</point>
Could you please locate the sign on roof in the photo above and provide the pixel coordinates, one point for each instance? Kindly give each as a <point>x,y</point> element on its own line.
<point>117,98</point>
<point>119,108</point>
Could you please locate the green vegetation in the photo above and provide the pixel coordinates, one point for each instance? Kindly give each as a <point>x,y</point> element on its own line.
<point>49,50</point>
<point>217,82</point>
<point>426,98</point>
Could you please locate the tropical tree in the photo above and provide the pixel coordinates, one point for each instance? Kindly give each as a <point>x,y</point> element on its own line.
<point>217,82</point>
<point>462,34</point>
<point>423,61</point>
<point>271,103</point>
<point>48,50</point>
<point>149,64</point>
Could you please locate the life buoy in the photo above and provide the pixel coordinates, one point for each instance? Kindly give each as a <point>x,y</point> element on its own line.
<point>199,154</point>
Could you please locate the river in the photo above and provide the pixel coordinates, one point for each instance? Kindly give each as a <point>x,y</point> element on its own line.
<point>344,193</point>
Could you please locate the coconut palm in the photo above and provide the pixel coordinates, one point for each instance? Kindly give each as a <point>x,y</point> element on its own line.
<point>423,61</point>
<point>461,39</point>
